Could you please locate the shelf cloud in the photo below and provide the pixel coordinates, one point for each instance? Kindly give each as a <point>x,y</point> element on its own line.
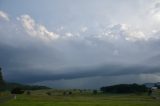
<point>84,44</point>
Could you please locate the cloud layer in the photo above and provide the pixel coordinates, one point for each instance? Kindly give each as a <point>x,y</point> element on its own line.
<point>123,47</point>
<point>4,16</point>
<point>36,30</point>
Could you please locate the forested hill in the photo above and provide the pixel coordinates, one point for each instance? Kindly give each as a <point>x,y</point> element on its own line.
<point>124,88</point>
<point>10,86</point>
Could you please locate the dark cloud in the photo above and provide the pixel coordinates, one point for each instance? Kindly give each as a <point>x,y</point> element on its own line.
<point>120,47</point>
<point>25,76</point>
<point>71,59</point>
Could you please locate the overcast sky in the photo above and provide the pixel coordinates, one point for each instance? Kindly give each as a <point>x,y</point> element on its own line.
<point>80,43</point>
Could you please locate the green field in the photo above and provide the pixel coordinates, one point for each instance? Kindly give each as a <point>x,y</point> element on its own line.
<point>40,98</point>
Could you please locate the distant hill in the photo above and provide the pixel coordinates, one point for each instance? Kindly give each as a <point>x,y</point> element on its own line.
<point>124,88</point>
<point>10,86</point>
<point>150,85</point>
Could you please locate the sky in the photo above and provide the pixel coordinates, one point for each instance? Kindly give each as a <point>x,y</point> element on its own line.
<point>80,43</point>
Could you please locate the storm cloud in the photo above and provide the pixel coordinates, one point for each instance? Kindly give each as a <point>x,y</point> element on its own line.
<point>84,44</point>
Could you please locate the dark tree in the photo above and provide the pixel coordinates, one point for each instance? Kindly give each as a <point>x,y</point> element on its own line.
<point>28,93</point>
<point>70,93</point>
<point>64,93</point>
<point>149,92</point>
<point>94,92</point>
<point>1,78</point>
<point>80,91</point>
<point>49,93</point>
<point>17,91</point>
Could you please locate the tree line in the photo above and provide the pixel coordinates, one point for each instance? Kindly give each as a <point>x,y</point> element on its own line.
<point>124,88</point>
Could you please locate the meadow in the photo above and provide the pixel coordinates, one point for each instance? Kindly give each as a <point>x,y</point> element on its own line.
<point>87,98</point>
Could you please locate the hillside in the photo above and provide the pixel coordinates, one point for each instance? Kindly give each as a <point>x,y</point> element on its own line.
<point>9,86</point>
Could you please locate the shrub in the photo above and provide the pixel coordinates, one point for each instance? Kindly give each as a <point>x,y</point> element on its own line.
<point>28,92</point>
<point>49,93</point>
<point>70,93</point>
<point>64,93</point>
<point>17,91</point>
<point>94,92</point>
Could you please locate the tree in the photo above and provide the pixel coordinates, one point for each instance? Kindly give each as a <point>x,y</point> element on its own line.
<point>95,92</point>
<point>64,93</point>
<point>17,91</point>
<point>28,93</point>
<point>49,93</point>
<point>1,78</point>
<point>70,93</point>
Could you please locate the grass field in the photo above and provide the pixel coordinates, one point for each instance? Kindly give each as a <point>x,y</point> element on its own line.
<point>40,98</point>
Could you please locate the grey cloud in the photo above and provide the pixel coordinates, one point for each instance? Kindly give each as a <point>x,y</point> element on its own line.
<point>100,54</point>
<point>97,82</point>
<point>72,59</point>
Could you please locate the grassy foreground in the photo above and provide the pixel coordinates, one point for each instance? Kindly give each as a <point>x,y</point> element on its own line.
<point>40,98</point>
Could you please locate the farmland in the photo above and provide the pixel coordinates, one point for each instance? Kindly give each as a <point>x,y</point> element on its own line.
<point>57,98</point>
